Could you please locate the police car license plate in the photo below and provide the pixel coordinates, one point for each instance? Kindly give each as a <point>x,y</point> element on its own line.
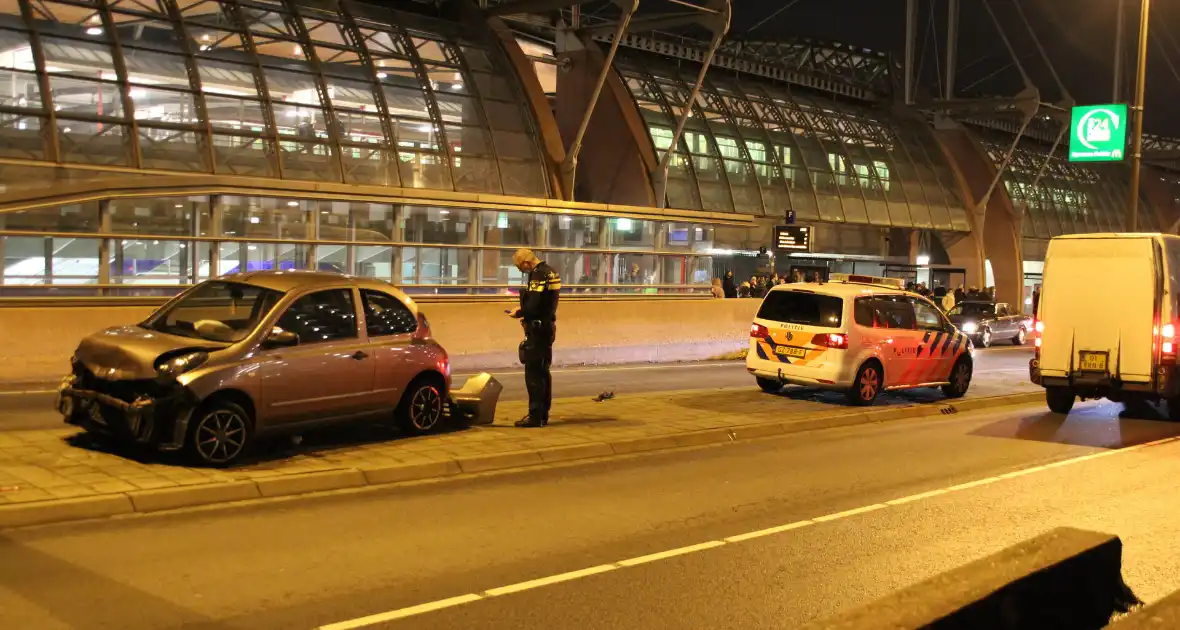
<point>791,351</point>
<point>1092,361</point>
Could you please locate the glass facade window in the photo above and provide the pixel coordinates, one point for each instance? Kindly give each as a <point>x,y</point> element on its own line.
<point>157,245</point>
<point>755,147</point>
<point>248,88</point>
<point>1067,197</point>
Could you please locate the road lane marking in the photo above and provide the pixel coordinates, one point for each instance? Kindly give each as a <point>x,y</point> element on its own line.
<point>402,613</point>
<point>671,553</point>
<point>846,513</point>
<point>768,531</point>
<point>713,544</point>
<point>545,581</point>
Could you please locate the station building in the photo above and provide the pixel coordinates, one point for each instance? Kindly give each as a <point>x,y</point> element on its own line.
<point>149,144</point>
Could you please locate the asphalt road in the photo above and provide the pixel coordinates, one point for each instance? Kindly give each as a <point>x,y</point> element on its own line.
<point>317,561</point>
<point>20,411</point>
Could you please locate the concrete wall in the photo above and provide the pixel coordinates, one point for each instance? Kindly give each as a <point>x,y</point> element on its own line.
<point>36,343</point>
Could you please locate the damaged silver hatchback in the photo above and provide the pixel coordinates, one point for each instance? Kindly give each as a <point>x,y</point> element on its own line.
<point>251,354</point>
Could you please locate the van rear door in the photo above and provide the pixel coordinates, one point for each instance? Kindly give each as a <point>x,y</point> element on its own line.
<point>1098,308</point>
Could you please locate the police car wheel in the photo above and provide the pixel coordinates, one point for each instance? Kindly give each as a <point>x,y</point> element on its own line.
<point>867,385</point>
<point>769,385</point>
<point>959,381</point>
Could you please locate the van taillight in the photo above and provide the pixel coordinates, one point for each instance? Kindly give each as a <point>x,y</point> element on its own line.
<point>759,331</point>
<point>831,340</point>
<point>1168,344</point>
<point>1039,326</point>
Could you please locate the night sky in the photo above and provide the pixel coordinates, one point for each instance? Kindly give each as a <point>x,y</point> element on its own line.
<point>1078,36</point>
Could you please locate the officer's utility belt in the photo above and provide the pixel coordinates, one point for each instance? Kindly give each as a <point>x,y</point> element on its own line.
<point>538,323</point>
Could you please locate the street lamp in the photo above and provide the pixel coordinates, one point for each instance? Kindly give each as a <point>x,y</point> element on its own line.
<point>1137,106</point>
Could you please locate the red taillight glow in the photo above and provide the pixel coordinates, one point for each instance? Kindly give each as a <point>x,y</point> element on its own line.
<point>759,331</point>
<point>1037,342</point>
<point>831,340</point>
<point>1039,326</point>
<point>1168,347</point>
<point>1169,332</point>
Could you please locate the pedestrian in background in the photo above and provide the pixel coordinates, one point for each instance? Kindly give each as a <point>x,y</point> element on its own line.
<point>538,317</point>
<point>948,301</point>
<point>744,290</point>
<point>716,290</point>
<point>729,286</point>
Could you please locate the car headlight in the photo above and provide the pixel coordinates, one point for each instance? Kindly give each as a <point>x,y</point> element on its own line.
<point>181,364</point>
<point>970,327</point>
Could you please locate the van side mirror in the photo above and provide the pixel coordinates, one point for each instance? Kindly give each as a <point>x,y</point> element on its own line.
<point>281,339</point>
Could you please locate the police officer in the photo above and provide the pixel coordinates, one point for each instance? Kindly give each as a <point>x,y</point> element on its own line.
<point>538,316</point>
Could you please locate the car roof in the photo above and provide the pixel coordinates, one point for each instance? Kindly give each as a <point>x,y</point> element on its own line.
<point>842,289</point>
<point>300,280</point>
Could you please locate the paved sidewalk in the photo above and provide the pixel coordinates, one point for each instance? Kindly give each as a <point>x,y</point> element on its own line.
<point>44,466</point>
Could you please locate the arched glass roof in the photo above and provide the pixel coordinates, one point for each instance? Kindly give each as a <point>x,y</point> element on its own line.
<point>1069,198</point>
<point>311,90</point>
<point>757,147</point>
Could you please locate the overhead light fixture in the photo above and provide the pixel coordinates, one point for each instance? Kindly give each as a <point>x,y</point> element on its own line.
<point>180,205</point>
<point>255,220</point>
<point>923,261</point>
<point>381,75</point>
<point>94,30</point>
<point>292,203</point>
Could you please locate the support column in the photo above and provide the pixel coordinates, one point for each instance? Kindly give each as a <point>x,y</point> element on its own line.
<point>214,247</point>
<point>911,35</point>
<point>2,239</point>
<point>475,261</point>
<point>398,235</point>
<point>952,46</point>
<point>104,247</point>
<point>350,250</point>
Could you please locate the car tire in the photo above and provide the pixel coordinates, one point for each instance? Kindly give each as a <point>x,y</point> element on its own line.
<point>769,385</point>
<point>1021,337</point>
<point>867,386</point>
<point>959,380</point>
<point>219,433</point>
<point>1059,399</point>
<point>985,338</point>
<point>421,408</point>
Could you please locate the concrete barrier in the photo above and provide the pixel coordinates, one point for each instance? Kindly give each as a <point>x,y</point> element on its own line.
<point>36,342</point>
<point>1067,579</point>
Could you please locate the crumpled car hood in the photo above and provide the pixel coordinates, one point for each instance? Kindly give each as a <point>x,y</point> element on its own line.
<point>130,352</point>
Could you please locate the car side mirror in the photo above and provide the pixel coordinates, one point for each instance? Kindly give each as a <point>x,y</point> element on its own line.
<point>281,339</point>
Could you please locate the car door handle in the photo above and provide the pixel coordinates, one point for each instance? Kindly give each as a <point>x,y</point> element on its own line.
<point>359,355</point>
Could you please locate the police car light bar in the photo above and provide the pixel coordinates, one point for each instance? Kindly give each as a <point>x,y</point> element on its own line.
<point>849,278</point>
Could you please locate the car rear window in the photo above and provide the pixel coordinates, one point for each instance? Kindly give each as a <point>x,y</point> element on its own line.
<point>797,307</point>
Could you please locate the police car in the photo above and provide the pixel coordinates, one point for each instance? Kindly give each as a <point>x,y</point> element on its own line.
<point>858,334</point>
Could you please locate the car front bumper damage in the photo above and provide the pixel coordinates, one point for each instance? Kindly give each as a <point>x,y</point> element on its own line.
<point>159,420</point>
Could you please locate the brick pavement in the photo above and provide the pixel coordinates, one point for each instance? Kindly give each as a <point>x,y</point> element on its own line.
<point>64,463</point>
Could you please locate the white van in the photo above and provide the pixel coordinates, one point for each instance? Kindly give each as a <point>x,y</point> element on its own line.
<point>857,334</point>
<point>1106,322</point>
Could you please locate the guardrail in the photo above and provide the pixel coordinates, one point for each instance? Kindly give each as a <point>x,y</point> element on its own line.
<point>42,296</point>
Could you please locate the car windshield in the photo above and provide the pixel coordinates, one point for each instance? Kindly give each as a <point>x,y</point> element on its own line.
<point>973,309</point>
<point>217,311</point>
<point>797,307</point>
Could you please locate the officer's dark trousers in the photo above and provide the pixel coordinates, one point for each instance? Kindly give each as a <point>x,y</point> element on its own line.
<point>536,353</point>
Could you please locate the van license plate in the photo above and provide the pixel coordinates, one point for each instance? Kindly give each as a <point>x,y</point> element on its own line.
<point>790,351</point>
<point>1092,361</point>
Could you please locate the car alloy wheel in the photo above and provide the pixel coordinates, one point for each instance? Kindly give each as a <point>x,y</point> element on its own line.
<point>426,407</point>
<point>1021,337</point>
<point>869,383</point>
<point>985,339</point>
<point>220,436</point>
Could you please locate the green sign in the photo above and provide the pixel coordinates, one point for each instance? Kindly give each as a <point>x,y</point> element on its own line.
<point>1098,133</point>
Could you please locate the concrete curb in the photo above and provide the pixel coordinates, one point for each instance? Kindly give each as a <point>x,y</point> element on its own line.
<point>146,501</point>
